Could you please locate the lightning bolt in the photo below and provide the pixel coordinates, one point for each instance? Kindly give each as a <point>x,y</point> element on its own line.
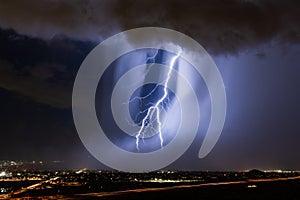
<point>154,110</point>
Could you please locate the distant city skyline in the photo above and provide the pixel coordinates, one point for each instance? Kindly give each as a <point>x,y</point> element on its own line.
<point>84,183</point>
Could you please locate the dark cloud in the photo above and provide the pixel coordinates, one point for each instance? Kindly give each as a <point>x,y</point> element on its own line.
<point>41,70</point>
<point>46,19</point>
<point>46,71</point>
<point>35,86</point>
<point>221,26</point>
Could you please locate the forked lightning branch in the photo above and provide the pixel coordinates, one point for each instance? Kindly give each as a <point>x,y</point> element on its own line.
<point>154,111</point>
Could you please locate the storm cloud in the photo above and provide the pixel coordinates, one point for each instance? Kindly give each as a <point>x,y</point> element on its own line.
<point>223,27</point>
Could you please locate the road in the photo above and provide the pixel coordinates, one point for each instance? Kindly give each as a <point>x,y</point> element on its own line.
<point>126,192</point>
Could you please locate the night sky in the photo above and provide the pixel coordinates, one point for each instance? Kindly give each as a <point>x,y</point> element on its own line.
<point>255,45</point>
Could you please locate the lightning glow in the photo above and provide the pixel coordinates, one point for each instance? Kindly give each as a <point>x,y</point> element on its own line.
<point>154,110</point>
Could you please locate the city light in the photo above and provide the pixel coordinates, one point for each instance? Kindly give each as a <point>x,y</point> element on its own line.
<point>2,174</point>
